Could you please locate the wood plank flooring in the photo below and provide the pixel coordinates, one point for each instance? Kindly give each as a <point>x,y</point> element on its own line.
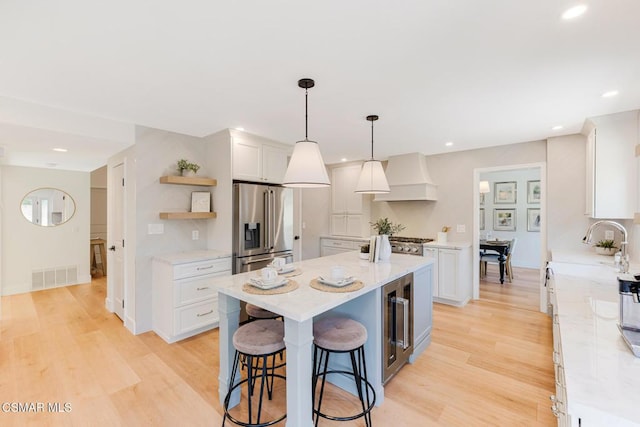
<point>489,365</point>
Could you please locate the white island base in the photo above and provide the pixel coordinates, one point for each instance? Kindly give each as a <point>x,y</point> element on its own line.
<point>300,307</point>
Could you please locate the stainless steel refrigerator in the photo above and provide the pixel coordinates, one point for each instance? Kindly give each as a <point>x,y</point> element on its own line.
<point>262,225</point>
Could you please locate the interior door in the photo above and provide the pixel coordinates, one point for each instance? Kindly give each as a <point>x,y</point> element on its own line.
<point>116,248</point>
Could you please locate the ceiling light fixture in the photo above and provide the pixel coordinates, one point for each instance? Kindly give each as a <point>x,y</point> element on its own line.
<point>344,159</point>
<point>610,93</point>
<point>372,179</point>
<point>448,143</point>
<point>240,129</point>
<point>557,127</point>
<point>574,12</point>
<point>60,150</point>
<point>306,168</point>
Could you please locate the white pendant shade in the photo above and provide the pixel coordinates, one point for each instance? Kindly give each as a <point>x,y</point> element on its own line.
<point>306,168</point>
<point>372,179</point>
<point>484,187</point>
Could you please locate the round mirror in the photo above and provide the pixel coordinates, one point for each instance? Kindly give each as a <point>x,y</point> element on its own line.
<point>48,207</point>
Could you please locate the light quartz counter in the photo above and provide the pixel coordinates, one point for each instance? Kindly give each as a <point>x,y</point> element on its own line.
<point>448,245</point>
<point>602,376</point>
<point>299,307</point>
<point>191,256</point>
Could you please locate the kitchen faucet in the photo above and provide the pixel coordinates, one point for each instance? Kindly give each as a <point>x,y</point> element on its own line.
<point>624,258</point>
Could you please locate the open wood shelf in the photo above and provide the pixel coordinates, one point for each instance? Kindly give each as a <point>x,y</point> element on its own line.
<point>188,180</point>
<point>187,215</point>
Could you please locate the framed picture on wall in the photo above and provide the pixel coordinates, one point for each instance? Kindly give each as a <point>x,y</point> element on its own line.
<point>504,219</point>
<point>481,218</point>
<point>533,192</point>
<point>533,219</point>
<point>505,192</point>
<point>200,201</point>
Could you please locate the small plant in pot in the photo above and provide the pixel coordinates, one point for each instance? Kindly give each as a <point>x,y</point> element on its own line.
<point>187,168</point>
<point>384,226</point>
<point>606,247</point>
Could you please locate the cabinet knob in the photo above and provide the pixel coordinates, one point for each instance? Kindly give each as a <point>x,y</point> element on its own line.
<point>112,248</point>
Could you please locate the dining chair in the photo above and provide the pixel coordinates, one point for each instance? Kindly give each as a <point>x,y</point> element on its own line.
<point>494,259</point>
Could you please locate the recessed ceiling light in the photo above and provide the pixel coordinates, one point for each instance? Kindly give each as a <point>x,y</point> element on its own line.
<point>448,143</point>
<point>610,93</point>
<point>60,150</point>
<point>557,127</point>
<point>344,159</point>
<point>52,165</point>
<point>574,12</point>
<point>240,128</point>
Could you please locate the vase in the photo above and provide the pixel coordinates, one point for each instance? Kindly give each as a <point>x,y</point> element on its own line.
<point>385,248</point>
<point>188,172</point>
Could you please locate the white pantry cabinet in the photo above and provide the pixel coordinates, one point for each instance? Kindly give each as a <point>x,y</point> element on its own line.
<point>185,302</point>
<point>611,170</point>
<point>259,161</point>
<point>452,282</point>
<point>347,217</point>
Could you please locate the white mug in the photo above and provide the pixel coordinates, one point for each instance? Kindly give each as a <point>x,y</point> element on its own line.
<point>269,274</point>
<point>337,272</point>
<point>279,262</point>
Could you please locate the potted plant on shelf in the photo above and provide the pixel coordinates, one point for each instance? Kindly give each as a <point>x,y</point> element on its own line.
<point>187,168</point>
<point>606,247</point>
<point>386,228</point>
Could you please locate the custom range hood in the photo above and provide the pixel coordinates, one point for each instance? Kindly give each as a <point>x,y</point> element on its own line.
<point>408,179</point>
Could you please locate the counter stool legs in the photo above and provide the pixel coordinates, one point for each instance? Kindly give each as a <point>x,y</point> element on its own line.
<point>367,396</point>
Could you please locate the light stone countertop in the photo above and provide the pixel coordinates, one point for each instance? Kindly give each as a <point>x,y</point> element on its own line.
<point>191,256</point>
<point>305,302</point>
<point>448,245</point>
<point>602,375</point>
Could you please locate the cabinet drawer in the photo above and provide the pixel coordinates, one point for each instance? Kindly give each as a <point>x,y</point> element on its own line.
<point>200,268</point>
<point>188,291</point>
<point>195,316</point>
<point>342,244</point>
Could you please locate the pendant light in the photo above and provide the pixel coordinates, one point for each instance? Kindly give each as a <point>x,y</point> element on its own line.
<point>306,168</point>
<point>372,179</point>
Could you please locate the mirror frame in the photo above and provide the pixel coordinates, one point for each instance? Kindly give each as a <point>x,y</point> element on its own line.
<point>33,194</point>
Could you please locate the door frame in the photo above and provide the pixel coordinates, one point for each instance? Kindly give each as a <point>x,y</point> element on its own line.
<point>543,226</point>
<point>128,231</point>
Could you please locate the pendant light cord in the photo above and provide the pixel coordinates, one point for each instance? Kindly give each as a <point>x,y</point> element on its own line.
<point>371,139</point>
<point>306,114</point>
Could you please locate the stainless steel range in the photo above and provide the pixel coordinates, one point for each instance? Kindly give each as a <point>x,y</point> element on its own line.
<point>408,245</point>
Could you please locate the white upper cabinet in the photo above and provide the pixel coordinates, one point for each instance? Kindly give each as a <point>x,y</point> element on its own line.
<point>259,161</point>
<point>347,217</point>
<point>611,165</point>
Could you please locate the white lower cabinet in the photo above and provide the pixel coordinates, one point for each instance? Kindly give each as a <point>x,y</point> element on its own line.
<point>185,301</point>
<point>330,246</point>
<point>452,274</point>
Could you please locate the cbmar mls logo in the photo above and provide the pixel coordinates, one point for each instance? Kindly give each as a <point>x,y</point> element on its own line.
<point>19,407</point>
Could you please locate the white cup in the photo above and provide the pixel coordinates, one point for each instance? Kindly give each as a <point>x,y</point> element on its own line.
<point>337,273</point>
<point>279,262</point>
<point>269,274</point>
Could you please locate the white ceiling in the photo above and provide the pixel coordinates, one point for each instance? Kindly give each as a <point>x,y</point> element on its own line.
<point>477,73</point>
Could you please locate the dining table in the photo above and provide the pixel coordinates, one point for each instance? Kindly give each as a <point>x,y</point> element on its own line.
<point>502,248</point>
<point>304,303</point>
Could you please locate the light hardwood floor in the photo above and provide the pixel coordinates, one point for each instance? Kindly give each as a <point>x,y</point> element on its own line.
<point>489,365</point>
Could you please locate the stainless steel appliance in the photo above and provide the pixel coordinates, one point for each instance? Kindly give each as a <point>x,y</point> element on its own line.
<point>262,225</point>
<point>397,319</point>
<point>408,245</point>
<point>629,289</point>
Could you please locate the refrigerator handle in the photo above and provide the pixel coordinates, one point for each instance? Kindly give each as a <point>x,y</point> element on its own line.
<point>267,215</point>
<point>272,214</point>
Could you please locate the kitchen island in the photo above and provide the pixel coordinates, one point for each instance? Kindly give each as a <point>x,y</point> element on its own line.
<point>597,376</point>
<point>301,306</point>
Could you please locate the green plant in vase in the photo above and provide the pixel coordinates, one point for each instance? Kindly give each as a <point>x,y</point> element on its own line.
<point>384,226</point>
<point>187,168</point>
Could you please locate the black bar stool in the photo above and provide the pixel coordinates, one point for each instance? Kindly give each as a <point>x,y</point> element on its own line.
<point>256,341</point>
<point>342,335</point>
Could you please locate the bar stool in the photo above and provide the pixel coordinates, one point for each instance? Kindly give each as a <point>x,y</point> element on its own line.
<point>254,312</point>
<point>342,335</point>
<point>259,339</point>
